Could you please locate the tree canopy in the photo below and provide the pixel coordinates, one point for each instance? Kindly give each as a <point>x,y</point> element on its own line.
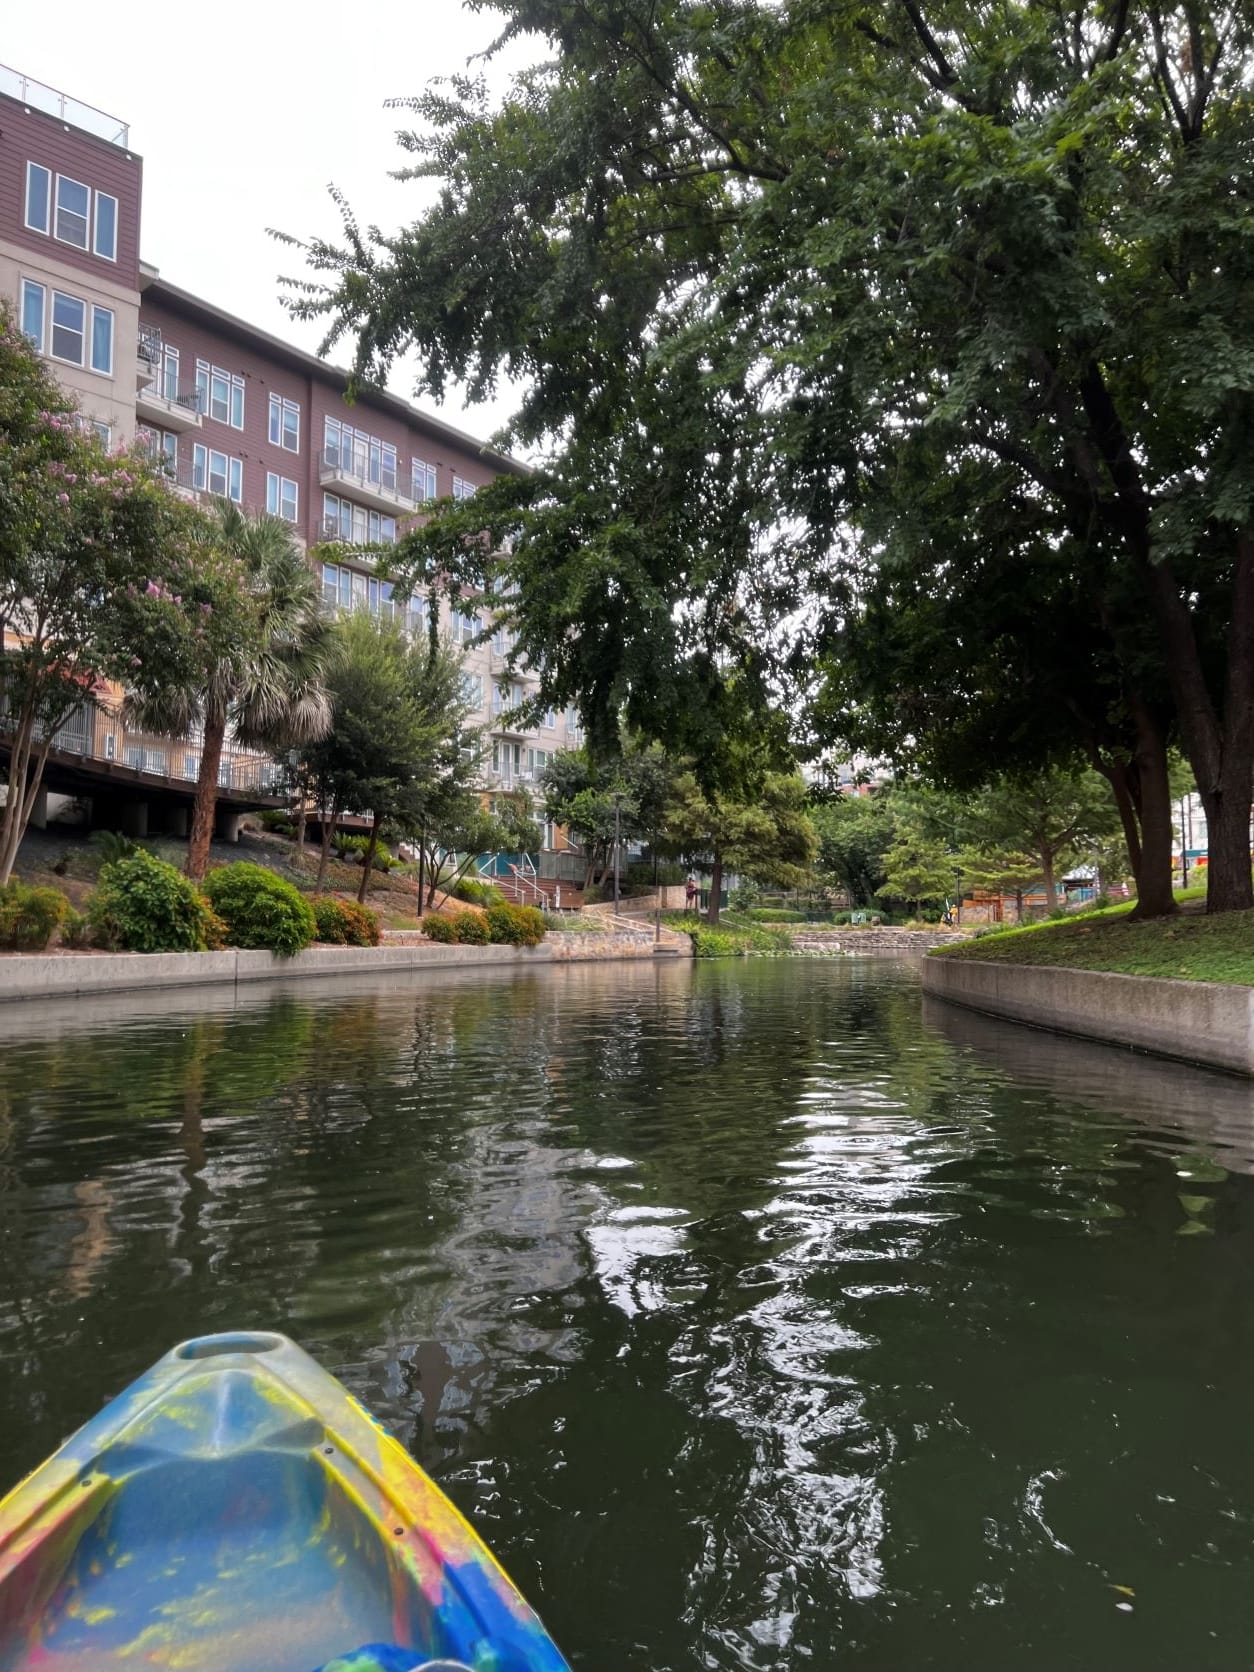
<point>798,294</point>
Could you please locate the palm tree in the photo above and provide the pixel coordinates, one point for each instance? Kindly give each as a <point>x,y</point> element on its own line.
<point>264,687</point>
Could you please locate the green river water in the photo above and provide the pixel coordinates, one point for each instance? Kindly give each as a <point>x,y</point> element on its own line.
<point>760,1314</point>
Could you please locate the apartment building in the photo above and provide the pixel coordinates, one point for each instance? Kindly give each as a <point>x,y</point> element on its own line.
<point>232,410</point>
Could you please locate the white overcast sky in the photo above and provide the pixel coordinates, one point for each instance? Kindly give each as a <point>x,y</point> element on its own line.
<point>244,112</point>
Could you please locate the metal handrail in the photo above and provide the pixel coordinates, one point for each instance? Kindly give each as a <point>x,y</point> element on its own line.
<point>185,394</point>
<point>40,96</point>
<point>344,465</point>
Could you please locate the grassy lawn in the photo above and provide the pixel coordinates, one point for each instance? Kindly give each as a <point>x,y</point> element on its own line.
<point>1186,948</point>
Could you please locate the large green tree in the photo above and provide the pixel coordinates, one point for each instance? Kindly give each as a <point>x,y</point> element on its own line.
<point>397,740</point>
<point>764,832</point>
<point>81,533</point>
<point>783,271</point>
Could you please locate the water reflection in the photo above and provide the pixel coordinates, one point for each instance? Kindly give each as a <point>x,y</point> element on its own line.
<point>759,1323</point>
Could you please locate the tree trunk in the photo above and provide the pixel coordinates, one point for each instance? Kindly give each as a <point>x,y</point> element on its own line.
<point>1155,897</point>
<point>367,861</point>
<point>422,865</point>
<point>329,815</point>
<point>1018,905</point>
<point>1046,857</point>
<point>18,798</point>
<point>302,818</point>
<point>716,889</point>
<point>206,802</point>
<point>1228,851</point>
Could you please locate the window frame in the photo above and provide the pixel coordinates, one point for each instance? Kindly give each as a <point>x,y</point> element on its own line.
<point>35,285</point>
<point>32,167</point>
<point>284,407</point>
<point>431,475</point>
<point>97,198</point>
<point>85,217</point>
<point>53,327</point>
<point>98,314</point>
<point>275,486</point>
<point>206,372</point>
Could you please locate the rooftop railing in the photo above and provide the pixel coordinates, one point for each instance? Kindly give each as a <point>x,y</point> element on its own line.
<point>39,96</point>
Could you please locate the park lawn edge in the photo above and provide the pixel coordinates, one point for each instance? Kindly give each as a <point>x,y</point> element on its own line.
<point>1182,948</point>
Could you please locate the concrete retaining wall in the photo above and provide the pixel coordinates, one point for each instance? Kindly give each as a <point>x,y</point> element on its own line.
<point>1204,1022</point>
<point>65,975</point>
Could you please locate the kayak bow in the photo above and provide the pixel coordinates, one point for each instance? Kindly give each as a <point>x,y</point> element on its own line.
<point>236,1510</point>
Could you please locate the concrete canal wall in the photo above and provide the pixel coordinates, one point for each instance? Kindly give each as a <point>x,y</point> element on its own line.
<point>64,975</point>
<point>1205,1022</point>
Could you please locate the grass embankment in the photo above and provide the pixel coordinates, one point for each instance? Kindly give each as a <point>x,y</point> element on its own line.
<point>1190,947</point>
<point>737,935</point>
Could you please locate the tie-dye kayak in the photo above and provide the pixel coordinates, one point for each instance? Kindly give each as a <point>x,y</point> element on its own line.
<point>235,1510</point>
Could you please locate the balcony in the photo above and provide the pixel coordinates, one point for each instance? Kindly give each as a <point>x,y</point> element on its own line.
<point>168,406</point>
<point>39,96</point>
<point>372,484</point>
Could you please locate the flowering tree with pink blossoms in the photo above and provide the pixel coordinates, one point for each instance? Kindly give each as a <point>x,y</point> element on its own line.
<point>78,527</point>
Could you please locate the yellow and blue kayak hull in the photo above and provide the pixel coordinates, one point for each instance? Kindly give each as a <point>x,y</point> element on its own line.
<point>236,1510</point>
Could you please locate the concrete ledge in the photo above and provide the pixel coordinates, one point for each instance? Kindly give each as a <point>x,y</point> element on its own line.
<point>33,975</point>
<point>1205,1022</point>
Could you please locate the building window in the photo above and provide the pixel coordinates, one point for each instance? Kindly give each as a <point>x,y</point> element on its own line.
<point>550,720</point>
<point>73,212</point>
<point>284,424</point>
<point>423,481</point>
<point>463,489</point>
<point>161,446</point>
<point>416,615</point>
<point>221,394</point>
<point>214,472</point>
<point>38,193</point>
<point>34,300</point>
<point>102,340</point>
<point>103,432</point>
<point>354,453</point>
<point>106,239</point>
<point>168,384</point>
<point>69,328</point>
<point>472,690</point>
<point>466,627</point>
<point>342,520</point>
<point>281,496</point>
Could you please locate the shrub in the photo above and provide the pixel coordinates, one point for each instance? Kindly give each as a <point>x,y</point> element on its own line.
<point>573,922</point>
<point>28,915</point>
<point>277,819</point>
<point>76,930</point>
<point>111,845</point>
<point>260,910</point>
<point>345,923</point>
<point>353,850</point>
<point>144,904</point>
<point>470,929</point>
<point>771,914</point>
<point>515,925</point>
<point>476,893</point>
<point>438,928</point>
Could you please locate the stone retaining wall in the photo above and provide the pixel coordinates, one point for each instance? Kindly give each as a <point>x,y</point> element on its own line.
<point>64,975</point>
<point>871,940</point>
<point>1205,1022</point>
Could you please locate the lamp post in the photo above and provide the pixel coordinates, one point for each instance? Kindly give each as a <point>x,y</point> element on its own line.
<point>618,800</point>
<point>957,896</point>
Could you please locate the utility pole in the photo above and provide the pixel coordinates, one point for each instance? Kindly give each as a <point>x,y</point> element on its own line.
<point>618,799</point>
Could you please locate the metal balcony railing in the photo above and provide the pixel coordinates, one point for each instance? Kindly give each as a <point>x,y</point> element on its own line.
<point>39,96</point>
<point>178,394</point>
<point>373,477</point>
<point>150,344</point>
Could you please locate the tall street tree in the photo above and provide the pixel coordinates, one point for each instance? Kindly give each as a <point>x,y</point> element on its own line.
<point>778,262</point>
<point>765,835</point>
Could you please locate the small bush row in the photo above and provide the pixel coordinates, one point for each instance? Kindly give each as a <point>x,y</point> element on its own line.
<point>353,849</point>
<point>503,924</point>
